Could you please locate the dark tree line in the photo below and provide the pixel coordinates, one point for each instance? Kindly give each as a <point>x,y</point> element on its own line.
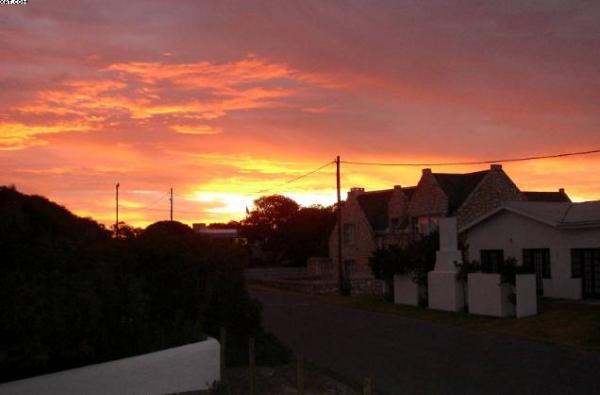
<point>71,294</point>
<point>285,233</point>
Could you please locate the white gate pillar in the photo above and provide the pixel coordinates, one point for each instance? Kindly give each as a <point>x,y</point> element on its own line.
<point>444,291</point>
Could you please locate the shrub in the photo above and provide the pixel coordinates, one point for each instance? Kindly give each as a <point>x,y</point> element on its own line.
<point>73,295</point>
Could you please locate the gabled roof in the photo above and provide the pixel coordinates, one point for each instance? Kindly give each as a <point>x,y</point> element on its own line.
<point>375,206</point>
<point>458,187</point>
<point>556,196</point>
<point>555,214</point>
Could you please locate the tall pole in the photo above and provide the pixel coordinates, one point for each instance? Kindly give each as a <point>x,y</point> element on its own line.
<point>117,209</point>
<point>171,200</point>
<point>340,265</point>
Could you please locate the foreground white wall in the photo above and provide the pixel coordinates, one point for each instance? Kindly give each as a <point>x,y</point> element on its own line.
<point>179,369</point>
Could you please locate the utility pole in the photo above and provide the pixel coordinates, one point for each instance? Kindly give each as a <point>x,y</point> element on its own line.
<point>171,201</point>
<point>340,265</point>
<point>117,209</point>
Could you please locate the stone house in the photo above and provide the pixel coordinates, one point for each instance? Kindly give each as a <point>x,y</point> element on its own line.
<point>370,220</point>
<point>466,196</point>
<point>559,241</point>
<point>395,216</point>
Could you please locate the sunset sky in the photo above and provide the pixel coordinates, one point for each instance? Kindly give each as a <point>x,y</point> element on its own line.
<point>220,99</point>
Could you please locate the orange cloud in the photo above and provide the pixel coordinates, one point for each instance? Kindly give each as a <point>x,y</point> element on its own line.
<point>137,91</point>
<point>220,77</point>
<point>195,129</point>
<point>16,135</point>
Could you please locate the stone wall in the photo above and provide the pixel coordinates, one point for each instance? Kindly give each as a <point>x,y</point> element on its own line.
<point>275,272</point>
<point>429,198</point>
<point>364,238</point>
<point>366,286</point>
<point>397,209</point>
<point>321,267</point>
<point>495,187</point>
<point>359,286</point>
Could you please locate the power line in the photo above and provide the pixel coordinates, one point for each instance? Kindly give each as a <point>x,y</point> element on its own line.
<point>294,179</point>
<point>482,162</point>
<point>163,210</point>
<point>157,200</point>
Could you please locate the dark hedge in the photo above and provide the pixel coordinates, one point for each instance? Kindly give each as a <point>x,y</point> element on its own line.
<point>71,294</point>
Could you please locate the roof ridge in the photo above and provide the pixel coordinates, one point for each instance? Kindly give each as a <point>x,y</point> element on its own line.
<point>462,174</point>
<point>376,191</point>
<point>562,220</point>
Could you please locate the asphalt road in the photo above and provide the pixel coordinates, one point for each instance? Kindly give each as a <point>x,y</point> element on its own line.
<point>406,356</point>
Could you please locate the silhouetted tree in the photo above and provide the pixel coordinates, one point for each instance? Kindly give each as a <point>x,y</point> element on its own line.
<point>287,233</point>
<point>126,231</point>
<point>271,212</point>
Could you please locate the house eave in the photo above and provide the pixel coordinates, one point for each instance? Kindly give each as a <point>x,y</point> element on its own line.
<point>510,209</point>
<point>579,225</point>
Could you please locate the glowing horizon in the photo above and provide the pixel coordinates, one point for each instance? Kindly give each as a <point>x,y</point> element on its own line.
<point>219,102</point>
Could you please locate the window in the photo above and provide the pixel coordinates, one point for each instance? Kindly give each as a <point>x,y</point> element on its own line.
<point>414,223</point>
<point>585,264</point>
<point>349,234</point>
<point>427,225</point>
<point>580,257</point>
<point>537,261</point>
<point>491,260</point>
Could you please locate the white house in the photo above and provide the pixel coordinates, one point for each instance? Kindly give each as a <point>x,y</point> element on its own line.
<point>561,240</point>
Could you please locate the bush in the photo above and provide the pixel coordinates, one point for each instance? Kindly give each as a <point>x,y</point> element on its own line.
<point>73,295</point>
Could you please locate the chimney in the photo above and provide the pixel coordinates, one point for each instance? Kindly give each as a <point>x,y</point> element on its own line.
<point>496,167</point>
<point>355,191</point>
<point>397,187</point>
<point>426,171</point>
<point>561,190</point>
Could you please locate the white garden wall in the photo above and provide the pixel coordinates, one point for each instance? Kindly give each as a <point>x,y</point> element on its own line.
<point>406,291</point>
<point>186,368</point>
<point>526,295</point>
<point>445,292</point>
<point>488,297</point>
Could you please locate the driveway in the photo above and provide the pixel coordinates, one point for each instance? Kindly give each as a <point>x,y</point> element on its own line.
<point>407,356</point>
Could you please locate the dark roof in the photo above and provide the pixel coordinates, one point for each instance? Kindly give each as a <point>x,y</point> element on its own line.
<point>557,196</point>
<point>375,206</point>
<point>458,186</point>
